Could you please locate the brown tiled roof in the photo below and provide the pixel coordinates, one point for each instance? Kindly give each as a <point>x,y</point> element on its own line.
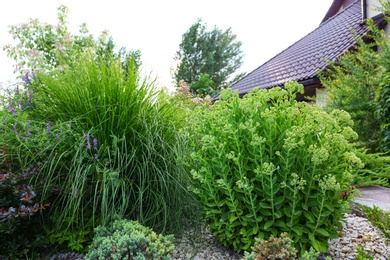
<point>305,58</point>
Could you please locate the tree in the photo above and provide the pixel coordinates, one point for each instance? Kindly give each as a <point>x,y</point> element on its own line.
<point>359,83</point>
<point>44,46</point>
<point>215,53</point>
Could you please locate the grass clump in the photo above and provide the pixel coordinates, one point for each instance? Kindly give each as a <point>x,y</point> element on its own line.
<point>107,144</point>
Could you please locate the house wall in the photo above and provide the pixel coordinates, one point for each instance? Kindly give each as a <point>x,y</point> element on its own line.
<point>372,5</point>
<point>321,94</point>
<point>371,8</point>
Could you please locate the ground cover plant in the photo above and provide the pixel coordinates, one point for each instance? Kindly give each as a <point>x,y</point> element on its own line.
<point>267,164</point>
<point>129,240</point>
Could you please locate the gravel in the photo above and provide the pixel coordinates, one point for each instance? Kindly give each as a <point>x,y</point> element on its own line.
<point>357,230</point>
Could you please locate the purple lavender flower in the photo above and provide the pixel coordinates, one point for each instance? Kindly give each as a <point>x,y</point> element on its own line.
<point>96,156</point>
<point>16,130</point>
<point>26,78</point>
<point>95,143</point>
<point>88,144</point>
<point>11,109</point>
<point>48,127</point>
<point>58,136</point>
<point>33,74</point>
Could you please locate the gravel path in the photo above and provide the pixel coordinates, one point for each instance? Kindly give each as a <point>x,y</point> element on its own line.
<point>356,231</point>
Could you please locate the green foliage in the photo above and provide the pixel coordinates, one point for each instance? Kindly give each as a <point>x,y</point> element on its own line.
<point>363,255</point>
<point>216,53</point>
<point>376,170</point>
<point>383,112</point>
<point>311,255</point>
<point>133,169</point>
<point>129,240</point>
<point>273,248</point>
<point>203,86</point>
<point>26,147</point>
<point>43,46</point>
<point>358,82</point>
<point>378,218</point>
<point>267,164</point>
<point>352,83</point>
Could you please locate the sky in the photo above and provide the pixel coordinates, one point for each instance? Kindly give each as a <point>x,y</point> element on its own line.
<point>155,27</point>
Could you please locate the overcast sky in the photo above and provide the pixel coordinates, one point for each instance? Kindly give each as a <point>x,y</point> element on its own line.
<point>155,27</point>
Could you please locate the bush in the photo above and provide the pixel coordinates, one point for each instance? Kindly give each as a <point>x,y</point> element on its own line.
<point>129,240</point>
<point>274,248</point>
<point>267,164</point>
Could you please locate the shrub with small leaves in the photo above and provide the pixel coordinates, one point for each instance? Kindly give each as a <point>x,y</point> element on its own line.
<point>273,248</point>
<point>129,240</point>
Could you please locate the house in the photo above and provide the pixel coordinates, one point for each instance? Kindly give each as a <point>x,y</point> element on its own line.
<point>303,60</point>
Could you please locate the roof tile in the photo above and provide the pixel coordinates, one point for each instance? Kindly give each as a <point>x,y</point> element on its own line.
<point>306,57</point>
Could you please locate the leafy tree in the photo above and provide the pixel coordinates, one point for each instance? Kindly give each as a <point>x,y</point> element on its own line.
<point>216,53</point>
<point>358,82</point>
<point>44,46</point>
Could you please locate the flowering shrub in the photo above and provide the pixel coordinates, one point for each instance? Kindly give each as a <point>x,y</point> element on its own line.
<point>267,164</point>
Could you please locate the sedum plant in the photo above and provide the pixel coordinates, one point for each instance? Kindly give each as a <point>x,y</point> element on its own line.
<point>129,240</point>
<point>267,164</point>
<point>274,248</point>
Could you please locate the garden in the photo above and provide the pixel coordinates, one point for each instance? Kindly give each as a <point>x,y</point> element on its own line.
<point>97,160</point>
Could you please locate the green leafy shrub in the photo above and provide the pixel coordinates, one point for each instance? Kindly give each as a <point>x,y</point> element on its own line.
<point>376,170</point>
<point>267,164</point>
<point>273,248</point>
<point>129,240</point>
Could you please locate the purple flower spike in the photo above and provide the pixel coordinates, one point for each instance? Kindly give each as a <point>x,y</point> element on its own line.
<point>96,156</point>
<point>58,136</point>
<point>95,143</point>
<point>88,142</point>
<point>15,125</point>
<point>48,128</point>
<point>33,74</point>
<point>11,109</point>
<point>26,78</point>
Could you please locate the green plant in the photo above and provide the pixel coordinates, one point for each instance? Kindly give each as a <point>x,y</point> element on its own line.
<point>134,168</point>
<point>352,83</point>
<point>363,255</point>
<point>376,170</point>
<point>273,248</point>
<point>126,239</point>
<point>267,164</point>
<point>45,46</point>
<point>207,59</point>
<point>378,218</point>
<point>310,255</point>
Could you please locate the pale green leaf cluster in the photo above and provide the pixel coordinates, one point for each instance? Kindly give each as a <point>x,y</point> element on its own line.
<point>266,164</point>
